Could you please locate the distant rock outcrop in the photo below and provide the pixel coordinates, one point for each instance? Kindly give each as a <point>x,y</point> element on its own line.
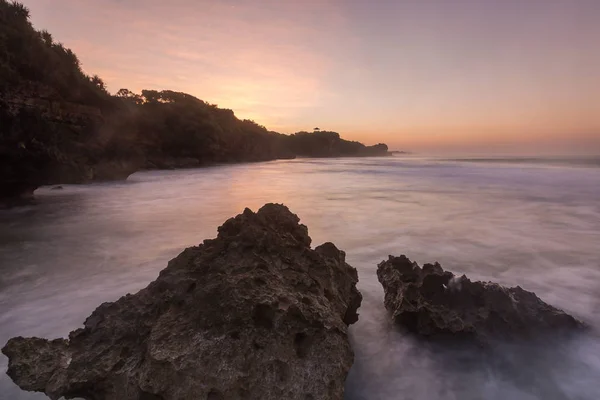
<point>330,144</point>
<point>253,314</point>
<point>434,302</point>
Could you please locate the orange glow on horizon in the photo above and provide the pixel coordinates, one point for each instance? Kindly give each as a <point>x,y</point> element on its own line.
<point>422,76</point>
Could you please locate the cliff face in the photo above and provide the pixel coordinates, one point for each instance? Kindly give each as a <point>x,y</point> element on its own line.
<point>47,103</point>
<point>56,123</point>
<point>46,140</point>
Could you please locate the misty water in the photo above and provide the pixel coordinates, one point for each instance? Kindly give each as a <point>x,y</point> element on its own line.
<point>534,223</point>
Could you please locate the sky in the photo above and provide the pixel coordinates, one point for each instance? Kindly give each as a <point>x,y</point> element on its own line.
<point>430,76</point>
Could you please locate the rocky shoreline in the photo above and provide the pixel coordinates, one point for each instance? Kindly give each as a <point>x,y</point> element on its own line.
<point>279,333</point>
<point>256,313</point>
<point>434,303</point>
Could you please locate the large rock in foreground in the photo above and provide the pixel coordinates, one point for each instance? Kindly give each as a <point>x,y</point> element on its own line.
<point>253,314</point>
<point>434,302</point>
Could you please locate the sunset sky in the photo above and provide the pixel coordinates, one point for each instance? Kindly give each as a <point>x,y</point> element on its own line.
<point>460,76</point>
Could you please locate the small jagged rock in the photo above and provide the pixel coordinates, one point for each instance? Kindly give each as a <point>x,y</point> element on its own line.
<point>432,302</point>
<point>253,314</point>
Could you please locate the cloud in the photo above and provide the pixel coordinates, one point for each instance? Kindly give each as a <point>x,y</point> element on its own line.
<point>265,61</point>
<point>426,73</point>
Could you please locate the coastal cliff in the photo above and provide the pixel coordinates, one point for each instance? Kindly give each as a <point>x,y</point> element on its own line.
<point>60,125</point>
<point>57,124</point>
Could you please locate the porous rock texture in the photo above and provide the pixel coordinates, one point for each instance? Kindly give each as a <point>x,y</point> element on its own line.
<point>432,302</point>
<point>253,314</point>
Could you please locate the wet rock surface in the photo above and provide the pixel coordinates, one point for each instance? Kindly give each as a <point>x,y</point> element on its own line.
<point>435,303</point>
<point>253,314</point>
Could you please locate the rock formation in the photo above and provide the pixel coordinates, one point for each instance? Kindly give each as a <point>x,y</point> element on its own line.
<point>434,302</point>
<point>330,144</point>
<point>253,314</point>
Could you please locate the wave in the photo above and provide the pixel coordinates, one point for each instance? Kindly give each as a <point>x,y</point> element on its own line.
<point>581,161</point>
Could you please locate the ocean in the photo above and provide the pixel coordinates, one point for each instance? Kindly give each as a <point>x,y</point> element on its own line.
<point>532,222</point>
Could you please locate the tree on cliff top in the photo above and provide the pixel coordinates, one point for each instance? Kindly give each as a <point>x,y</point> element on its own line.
<point>33,61</point>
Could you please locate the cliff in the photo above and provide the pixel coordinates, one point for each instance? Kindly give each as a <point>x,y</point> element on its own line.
<point>47,140</point>
<point>178,130</point>
<point>56,123</point>
<point>59,125</point>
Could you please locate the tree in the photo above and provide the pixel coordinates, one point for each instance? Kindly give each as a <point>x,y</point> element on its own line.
<point>128,95</point>
<point>124,93</point>
<point>316,129</point>
<point>98,82</point>
<point>20,10</point>
<point>72,57</point>
<point>151,96</point>
<point>46,37</point>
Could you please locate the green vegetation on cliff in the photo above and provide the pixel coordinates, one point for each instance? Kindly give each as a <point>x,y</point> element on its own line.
<point>55,121</point>
<point>34,59</point>
<point>178,130</point>
<point>329,144</point>
<point>59,125</point>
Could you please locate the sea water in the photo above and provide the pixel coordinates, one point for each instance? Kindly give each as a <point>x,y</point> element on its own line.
<point>529,222</point>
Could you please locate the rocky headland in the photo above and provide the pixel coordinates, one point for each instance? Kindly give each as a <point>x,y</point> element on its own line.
<point>60,125</point>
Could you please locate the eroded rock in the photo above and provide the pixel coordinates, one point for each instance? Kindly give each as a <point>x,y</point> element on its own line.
<point>253,314</point>
<point>433,302</point>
